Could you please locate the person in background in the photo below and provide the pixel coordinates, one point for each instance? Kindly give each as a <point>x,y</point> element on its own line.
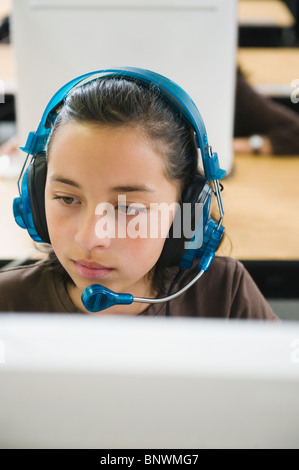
<point>261,125</point>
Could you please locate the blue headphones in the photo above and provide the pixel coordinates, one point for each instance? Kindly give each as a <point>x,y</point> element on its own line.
<point>29,207</point>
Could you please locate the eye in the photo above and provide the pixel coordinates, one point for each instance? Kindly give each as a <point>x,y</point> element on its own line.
<point>67,200</point>
<point>132,210</point>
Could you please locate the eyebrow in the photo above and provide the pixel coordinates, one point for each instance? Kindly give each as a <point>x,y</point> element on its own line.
<point>125,188</point>
<point>136,188</point>
<point>60,179</point>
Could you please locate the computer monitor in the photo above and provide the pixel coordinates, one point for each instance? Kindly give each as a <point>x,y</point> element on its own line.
<point>192,42</point>
<point>82,381</point>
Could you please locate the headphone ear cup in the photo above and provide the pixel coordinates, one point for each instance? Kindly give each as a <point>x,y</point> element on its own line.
<point>198,191</point>
<point>36,182</point>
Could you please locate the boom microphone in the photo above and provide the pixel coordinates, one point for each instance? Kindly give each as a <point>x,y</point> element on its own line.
<point>97,297</point>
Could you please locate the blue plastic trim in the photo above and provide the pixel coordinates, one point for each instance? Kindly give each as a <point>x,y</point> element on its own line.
<point>205,261</point>
<point>211,240</point>
<point>212,168</point>
<point>190,254</point>
<point>36,143</point>
<point>96,298</point>
<point>22,211</point>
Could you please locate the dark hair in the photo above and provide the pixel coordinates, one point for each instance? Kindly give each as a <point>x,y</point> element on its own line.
<point>119,101</point>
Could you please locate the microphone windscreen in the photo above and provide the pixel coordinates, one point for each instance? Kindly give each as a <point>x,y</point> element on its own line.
<point>96,298</point>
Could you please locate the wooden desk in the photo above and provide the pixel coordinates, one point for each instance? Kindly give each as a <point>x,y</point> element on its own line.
<point>7,69</point>
<point>261,203</point>
<point>270,71</point>
<point>264,13</point>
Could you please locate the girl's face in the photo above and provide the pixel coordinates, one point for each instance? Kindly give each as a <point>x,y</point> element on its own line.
<point>103,190</point>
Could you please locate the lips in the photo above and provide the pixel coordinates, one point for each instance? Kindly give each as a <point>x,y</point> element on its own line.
<point>91,270</point>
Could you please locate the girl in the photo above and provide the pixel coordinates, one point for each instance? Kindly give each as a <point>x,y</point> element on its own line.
<point>117,150</point>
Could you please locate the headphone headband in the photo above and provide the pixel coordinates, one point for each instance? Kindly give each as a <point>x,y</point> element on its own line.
<point>37,140</point>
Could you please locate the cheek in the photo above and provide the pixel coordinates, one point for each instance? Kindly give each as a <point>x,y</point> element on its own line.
<point>139,255</point>
<point>59,227</point>
<point>142,246</point>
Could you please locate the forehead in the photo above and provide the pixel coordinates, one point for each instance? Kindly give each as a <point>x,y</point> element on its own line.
<point>90,152</point>
<point>96,142</point>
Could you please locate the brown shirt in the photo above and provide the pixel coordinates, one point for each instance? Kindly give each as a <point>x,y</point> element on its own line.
<point>225,291</point>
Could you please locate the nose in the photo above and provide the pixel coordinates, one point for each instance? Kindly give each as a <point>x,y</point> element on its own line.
<point>93,231</point>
